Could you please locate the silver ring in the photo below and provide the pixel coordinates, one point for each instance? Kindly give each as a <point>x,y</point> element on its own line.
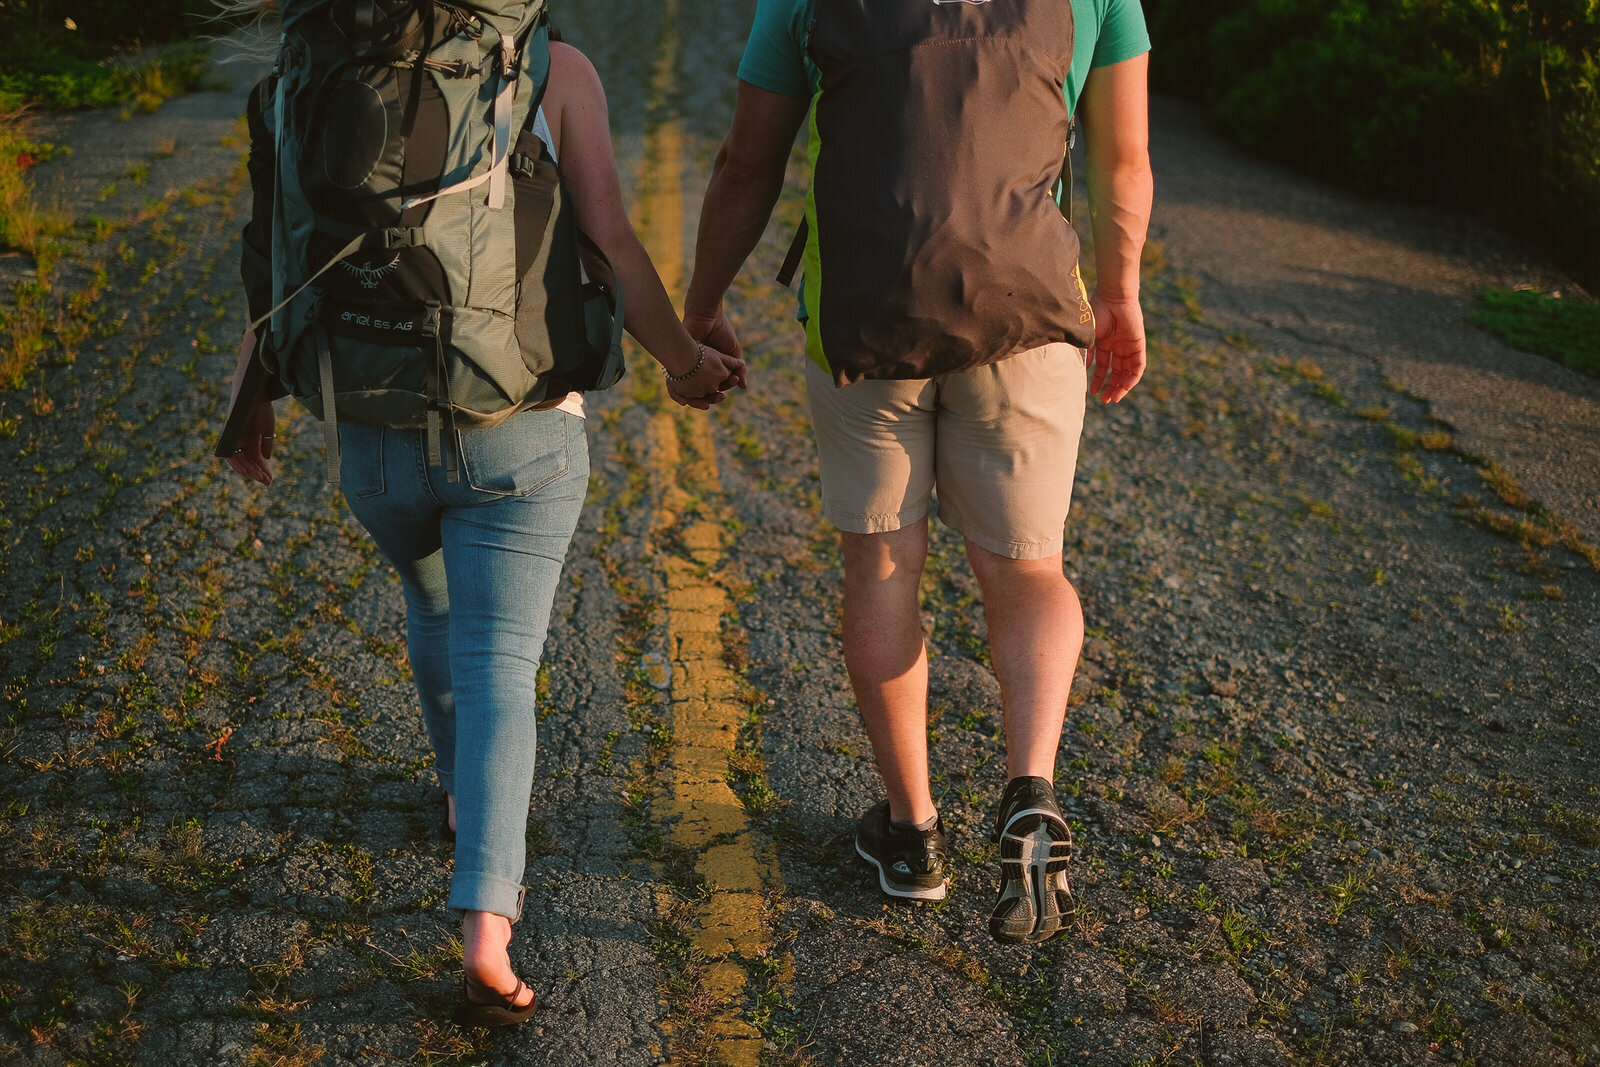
<point>269,437</point>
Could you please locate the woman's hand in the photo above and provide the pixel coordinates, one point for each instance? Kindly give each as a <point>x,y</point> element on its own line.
<point>257,436</point>
<point>255,443</point>
<point>717,373</point>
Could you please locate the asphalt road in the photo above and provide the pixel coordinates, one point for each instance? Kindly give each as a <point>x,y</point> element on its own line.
<point>1378,289</point>
<point>1331,757</point>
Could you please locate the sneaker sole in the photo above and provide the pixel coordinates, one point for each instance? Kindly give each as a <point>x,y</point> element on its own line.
<point>1035,899</point>
<point>933,893</point>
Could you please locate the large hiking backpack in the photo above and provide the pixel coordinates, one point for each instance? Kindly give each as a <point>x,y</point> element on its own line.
<point>933,241</point>
<point>425,258</point>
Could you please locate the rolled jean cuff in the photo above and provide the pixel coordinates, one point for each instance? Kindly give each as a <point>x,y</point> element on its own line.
<point>485,892</point>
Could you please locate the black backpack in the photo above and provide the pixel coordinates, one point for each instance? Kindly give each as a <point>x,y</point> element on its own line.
<point>933,240</point>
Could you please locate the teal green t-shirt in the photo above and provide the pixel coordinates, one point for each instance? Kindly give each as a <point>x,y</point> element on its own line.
<point>1104,32</point>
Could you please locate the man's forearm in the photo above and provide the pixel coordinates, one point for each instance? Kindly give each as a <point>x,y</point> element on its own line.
<point>738,204</point>
<point>1120,195</point>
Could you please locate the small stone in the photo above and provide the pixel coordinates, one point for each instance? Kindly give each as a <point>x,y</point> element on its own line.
<point>1403,1027</point>
<point>1223,687</point>
<point>1554,879</point>
<point>1155,839</point>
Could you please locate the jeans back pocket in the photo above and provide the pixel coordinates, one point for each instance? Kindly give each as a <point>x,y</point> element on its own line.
<point>361,460</point>
<point>521,455</point>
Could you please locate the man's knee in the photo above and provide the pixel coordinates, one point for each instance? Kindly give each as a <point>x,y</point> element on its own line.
<point>878,557</point>
<point>993,569</point>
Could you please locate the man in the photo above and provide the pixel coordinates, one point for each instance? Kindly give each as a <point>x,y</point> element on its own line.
<point>999,441</point>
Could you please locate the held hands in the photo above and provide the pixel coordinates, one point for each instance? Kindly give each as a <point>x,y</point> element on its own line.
<point>707,382</point>
<point>1117,357</point>
<point>715,330</point>
<point>724,366</point>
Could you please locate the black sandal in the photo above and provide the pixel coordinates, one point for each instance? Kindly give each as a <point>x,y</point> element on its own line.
<point>503,1011</point>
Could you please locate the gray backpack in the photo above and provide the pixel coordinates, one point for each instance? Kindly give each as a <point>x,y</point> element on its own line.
<point>424,264</point>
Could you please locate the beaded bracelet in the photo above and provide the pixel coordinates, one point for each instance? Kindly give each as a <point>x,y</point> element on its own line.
<point>691,372</point>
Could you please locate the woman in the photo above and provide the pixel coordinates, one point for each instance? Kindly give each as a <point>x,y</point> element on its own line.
<point>480,558</point>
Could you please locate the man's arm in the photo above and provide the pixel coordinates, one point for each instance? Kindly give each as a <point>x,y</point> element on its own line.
<point>1115,110</point>
<point>745,184</point>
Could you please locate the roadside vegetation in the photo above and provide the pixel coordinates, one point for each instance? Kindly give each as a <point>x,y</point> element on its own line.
<point>1486,105</point>
<point>24,223</point>
<point>1545,324</point>
<point>66,54</point>
<point>60,56</point>
<point>57,55</point>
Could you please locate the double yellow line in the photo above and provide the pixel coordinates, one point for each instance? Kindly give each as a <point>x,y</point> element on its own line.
<point>708,819</point>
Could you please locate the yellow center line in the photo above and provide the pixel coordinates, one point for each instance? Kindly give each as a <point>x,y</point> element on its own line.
<point>707,816</point>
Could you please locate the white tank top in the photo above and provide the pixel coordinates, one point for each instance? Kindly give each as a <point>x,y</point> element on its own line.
<point>573,404</point>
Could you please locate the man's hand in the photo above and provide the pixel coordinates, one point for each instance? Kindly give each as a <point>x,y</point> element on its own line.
<point>1117,357</point>
<point>717,333</point>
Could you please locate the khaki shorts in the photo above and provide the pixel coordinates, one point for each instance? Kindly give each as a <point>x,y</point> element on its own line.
<point>999,442</point>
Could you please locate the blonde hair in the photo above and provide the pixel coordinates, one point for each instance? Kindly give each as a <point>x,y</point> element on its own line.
<point>254,37</point>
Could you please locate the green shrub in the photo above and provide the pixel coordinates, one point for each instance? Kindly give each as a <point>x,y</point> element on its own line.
<point>93,29</point>
<point>67,83</point>
<point>1544,324</point>
<point>1483,104</point>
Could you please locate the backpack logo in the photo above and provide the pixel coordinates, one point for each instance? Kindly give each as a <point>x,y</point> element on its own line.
<point>974,3</point>
<point>369,277</point>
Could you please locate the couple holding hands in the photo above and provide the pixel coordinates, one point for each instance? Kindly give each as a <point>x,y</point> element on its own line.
<point>909,391</point>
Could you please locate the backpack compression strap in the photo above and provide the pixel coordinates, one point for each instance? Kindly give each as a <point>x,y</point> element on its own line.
<point>506,86</point>
<point>330,419</point>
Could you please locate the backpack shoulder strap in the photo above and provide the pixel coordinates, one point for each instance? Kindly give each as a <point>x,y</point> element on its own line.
<point>797,249</point>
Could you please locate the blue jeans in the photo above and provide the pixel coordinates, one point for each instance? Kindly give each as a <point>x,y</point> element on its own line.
<point>480,560</point>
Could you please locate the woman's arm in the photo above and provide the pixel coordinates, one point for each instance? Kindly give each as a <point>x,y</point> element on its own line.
<point>256,437</point>
<point>582,129</point>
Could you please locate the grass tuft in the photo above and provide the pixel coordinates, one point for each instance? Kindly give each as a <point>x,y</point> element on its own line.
<point>25,222</point>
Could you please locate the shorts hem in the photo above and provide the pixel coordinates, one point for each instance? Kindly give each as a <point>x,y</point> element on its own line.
<point>858,523</point>
<point>1042,548</point>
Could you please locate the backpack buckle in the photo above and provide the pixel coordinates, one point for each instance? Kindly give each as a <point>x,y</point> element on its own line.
<point>521,165</point>
<point>397,237</point>
<point>430,318</point>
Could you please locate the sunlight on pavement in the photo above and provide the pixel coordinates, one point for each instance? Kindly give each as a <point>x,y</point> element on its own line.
<point>707,817</point>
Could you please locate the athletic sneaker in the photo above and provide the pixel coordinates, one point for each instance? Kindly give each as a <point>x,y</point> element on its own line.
<point>1035,847</point>
<point>910,862</point>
